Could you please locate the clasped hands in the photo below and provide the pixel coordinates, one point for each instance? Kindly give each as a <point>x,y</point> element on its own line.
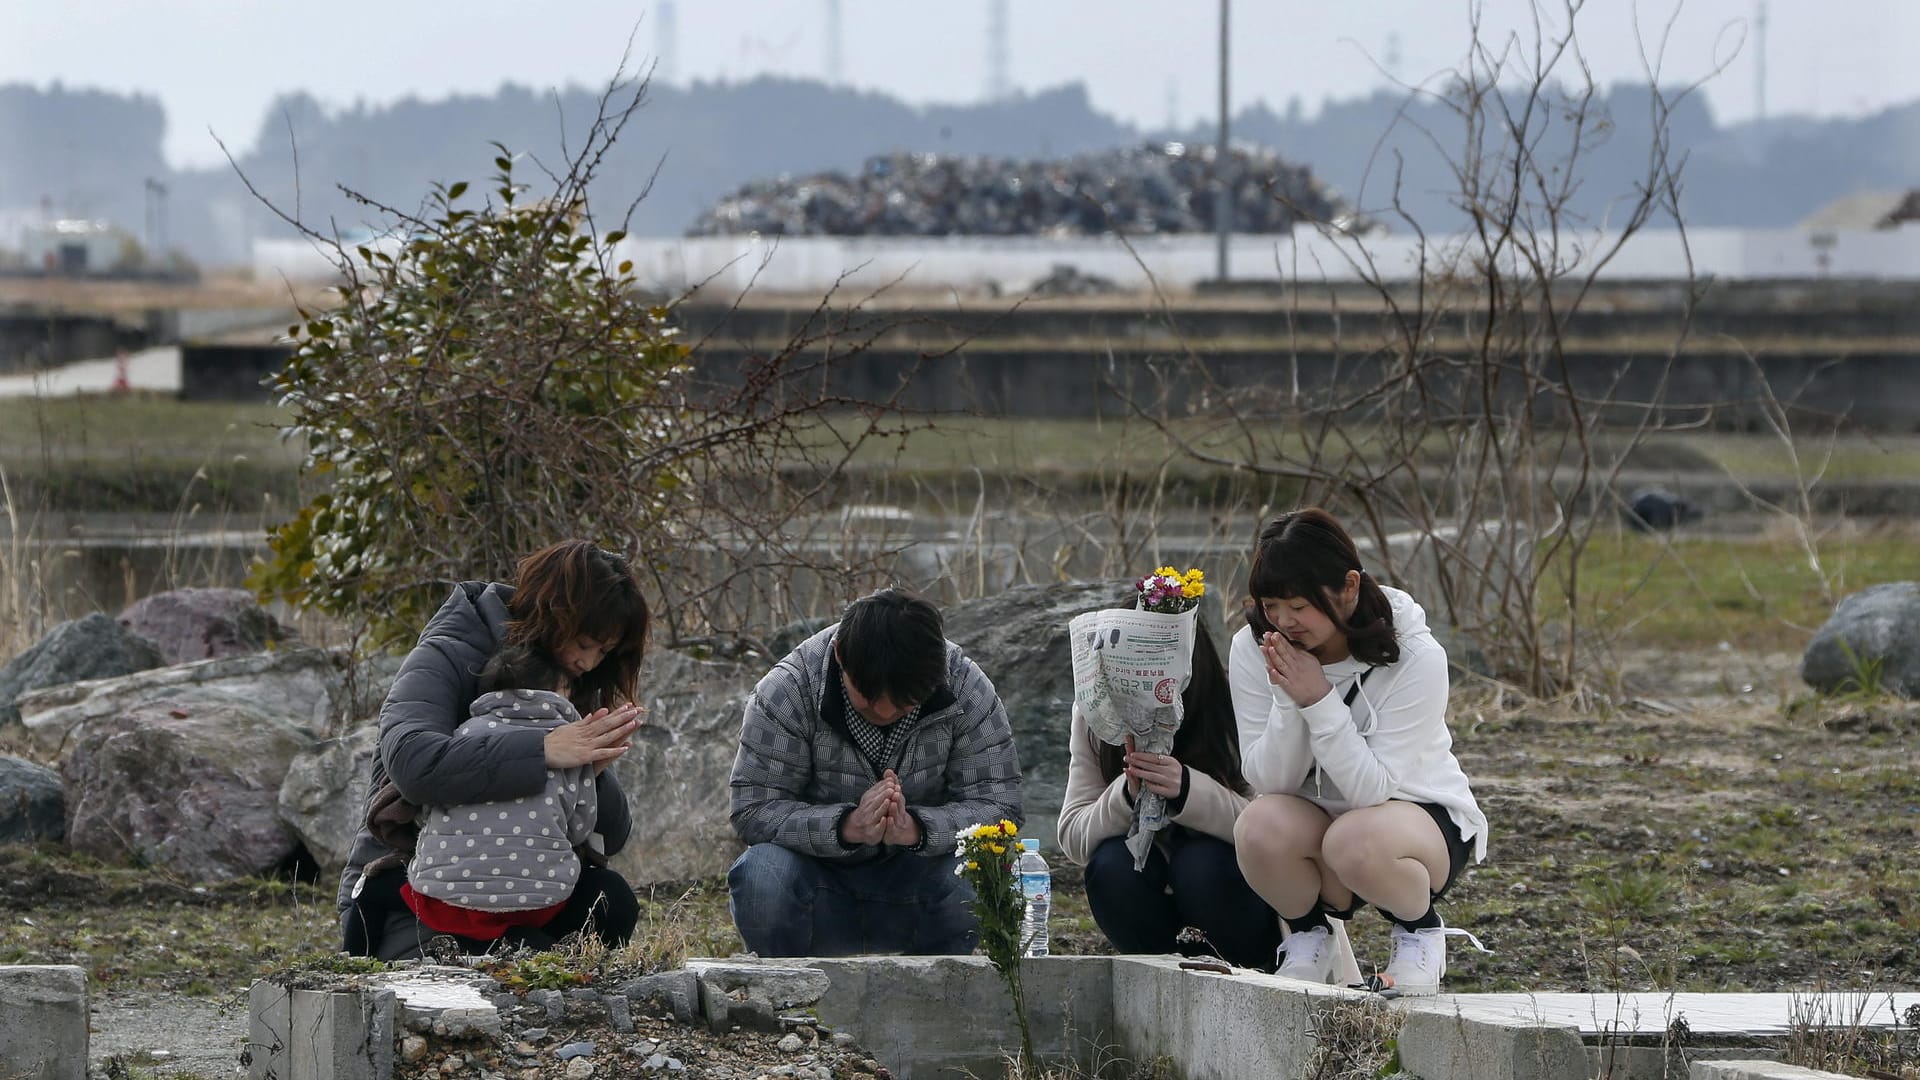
<point>1294,670</point>
<point>596,739</point>
<point>880,817</point>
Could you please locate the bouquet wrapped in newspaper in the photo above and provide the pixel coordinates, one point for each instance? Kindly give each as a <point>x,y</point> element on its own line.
<point>1129,669</point>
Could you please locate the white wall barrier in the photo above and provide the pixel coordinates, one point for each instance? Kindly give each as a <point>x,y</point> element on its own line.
<point>1012,264</point>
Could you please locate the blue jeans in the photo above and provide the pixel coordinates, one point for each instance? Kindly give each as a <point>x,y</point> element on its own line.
<point>1200,886</point>
<point>789,904</point>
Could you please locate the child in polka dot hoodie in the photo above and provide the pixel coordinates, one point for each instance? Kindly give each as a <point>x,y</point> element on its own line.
<point>487,871</point>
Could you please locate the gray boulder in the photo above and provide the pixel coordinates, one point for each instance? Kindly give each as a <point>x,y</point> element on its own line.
<point>201,624</point>
<point>675,777</point>
<point>1879,625</point>
<point>315,688</point>
<point>324,797</point>
<point>188,780</point>
<point>1019,638</point>
<point>32,803</point>
<point>93,647</point>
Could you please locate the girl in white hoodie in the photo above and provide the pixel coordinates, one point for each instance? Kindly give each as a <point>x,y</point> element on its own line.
<point>1340,693</point>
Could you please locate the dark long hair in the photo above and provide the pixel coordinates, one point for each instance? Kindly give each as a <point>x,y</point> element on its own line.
<point>573,589</point>
<point>1208,740</point>
<point>1306,555</point>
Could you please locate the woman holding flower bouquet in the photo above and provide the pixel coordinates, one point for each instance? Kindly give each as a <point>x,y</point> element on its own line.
<point>1191,878</point>
<point>1341,693</point>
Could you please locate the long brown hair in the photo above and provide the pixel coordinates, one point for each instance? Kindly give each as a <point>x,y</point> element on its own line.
<point>1306,555</point>
<point>575,589</point>
<point>1208,740</point>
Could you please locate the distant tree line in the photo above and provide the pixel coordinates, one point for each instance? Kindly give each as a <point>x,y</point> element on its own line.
<point>89,153</point>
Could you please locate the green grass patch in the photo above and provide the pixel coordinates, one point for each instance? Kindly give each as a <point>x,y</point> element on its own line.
<point>1753,593</point>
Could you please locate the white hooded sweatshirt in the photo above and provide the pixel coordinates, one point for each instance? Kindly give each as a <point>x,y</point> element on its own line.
<point>1393,742</point>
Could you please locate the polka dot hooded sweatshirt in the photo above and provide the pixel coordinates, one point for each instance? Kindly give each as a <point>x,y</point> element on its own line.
<point>515,855</point>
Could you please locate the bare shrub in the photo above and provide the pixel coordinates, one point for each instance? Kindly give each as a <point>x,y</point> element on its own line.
<point>1457,437</point>
<point>491,380</point>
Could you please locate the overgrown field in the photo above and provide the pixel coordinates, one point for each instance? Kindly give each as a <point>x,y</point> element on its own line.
<point>1678,843</point>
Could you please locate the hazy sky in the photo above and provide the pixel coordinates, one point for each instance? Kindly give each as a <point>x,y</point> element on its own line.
<point>217,63</point>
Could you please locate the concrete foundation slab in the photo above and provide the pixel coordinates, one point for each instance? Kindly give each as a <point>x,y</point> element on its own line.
<point>928,1017</point>
<point>1217,1027</point>
<point>1439,1041</point>
<point>43,1022</point>
<point>1703,1014</point>
<point>350,1033</point>
<point>1755,1070</point>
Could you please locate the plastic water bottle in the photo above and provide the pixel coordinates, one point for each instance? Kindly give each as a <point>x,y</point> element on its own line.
<point>1036,884</point>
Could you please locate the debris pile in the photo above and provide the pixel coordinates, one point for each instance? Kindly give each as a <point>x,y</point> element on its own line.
<point>1148,189</point>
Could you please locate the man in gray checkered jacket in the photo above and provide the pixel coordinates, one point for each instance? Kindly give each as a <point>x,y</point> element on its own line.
<point>861,755</point>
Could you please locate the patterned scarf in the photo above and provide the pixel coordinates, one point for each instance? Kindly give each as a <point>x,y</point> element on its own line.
<point>876,742</point>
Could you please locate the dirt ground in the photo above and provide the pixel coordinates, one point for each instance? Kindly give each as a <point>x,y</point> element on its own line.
<point>1713,828</point>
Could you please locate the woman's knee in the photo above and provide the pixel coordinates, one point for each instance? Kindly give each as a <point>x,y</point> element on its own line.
<point>1203,866</point>
<point>617,909</point>
<point>1110,864</point>
<point>1374,836</point>
<point>1278,827</point>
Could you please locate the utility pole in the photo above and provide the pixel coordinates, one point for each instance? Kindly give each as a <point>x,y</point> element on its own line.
<point>1222,164</point>
<point>999,85</point>
<point>156,220</point>
<point>834,58</point>
<point>666,43</point>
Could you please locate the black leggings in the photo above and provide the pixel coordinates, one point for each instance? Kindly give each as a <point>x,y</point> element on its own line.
<point>1191,879</point>
<point>379,923</point>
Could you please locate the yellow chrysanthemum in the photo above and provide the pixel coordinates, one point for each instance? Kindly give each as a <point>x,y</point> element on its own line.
<point>971,865</point>
<point>1009,827</point>
<point>997,849</point>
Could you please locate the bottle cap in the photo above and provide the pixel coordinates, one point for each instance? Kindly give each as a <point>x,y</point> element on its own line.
<point>1029,843</point>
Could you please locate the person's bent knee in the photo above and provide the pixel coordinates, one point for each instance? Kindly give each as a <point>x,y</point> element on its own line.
<point>1109,861</point>
<point>769,894</point>
<point>1357,840</point>
<point>1274,827</point>
<point>767,872</point>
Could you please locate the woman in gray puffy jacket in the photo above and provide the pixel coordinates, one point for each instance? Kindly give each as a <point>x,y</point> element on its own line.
<point>579,604</point>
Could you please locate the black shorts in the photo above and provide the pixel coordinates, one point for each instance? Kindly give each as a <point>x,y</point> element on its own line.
<point>1459,852</point>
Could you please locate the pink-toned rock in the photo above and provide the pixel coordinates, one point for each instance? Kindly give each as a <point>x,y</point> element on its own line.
<point>200,624</point>
<point>188,780</point>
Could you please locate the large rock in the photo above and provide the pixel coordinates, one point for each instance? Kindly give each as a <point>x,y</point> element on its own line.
<point>202,624</point>
<point>675,777</point>
<point>1879,625</point>
<point>32,803</point>
<point>94,647</point>
<point>315,688</point>
<point>1019,638</point>
<point>188,780</point>
<point>324,797</point>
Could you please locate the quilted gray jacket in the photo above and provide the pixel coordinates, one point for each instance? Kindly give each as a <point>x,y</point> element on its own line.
<point>431,697</point>
<point>798,771</point>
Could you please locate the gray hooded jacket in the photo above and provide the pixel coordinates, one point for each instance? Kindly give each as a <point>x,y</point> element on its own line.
<point>430,698</point>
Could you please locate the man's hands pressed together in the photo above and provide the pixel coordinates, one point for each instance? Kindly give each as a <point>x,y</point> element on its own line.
<point>880,817</point>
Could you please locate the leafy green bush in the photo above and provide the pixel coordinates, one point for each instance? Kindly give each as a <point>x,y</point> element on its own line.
<point>485,387</point>
<point>491,382</point>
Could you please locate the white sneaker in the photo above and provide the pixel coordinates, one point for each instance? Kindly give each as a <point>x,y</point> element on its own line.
<point>1308,954</point>
<point>1420,959</point>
